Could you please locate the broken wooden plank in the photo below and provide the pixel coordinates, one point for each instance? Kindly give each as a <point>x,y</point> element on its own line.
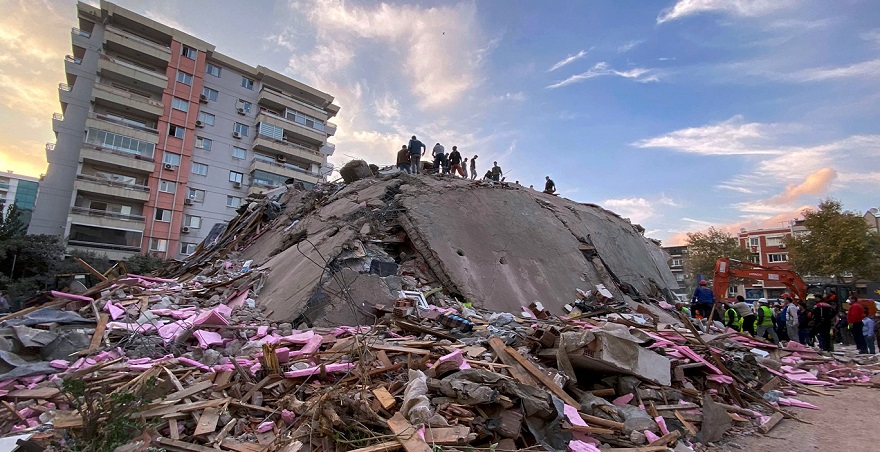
<point>184,408</point>
<point>680,406</point>
<point>407,434</point>
<point>692,431</point>
<point>192,390</point>
<point>385,398</point>
<point>183,445</point>
<point>590,430</point>
<point>173,429</point>
<point>208,421</point>
<point>46,392</point>
<point>537,374</point>
<point>664,440</point>
<point>770,423</point>
<point>387,446</point>
<point>515,371</point>
<point>771,385</point>
<point>448,436</point>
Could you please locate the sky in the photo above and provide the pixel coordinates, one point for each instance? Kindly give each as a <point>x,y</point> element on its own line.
<point>677,114</point>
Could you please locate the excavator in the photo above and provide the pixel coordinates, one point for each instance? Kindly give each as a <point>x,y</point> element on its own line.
<point>788,278</point>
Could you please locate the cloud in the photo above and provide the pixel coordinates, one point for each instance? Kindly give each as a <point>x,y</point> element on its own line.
<point>872,36</point>
<point>816,183</point>
<point>636,209</point>
<point>742,8</point>
<point>518,96</point>
<point>629,46</point>
<point>731,137</point>
<point>752,222</point>
<point>866,69</point>
<point>387,108</point>
<point>602,68</point>
<point>568,60</point>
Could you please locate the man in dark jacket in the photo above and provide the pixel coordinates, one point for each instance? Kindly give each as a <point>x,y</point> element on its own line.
<point>416,152</point>
<point>823,320</point>
<point>403,162</point>
<point>703,300</point>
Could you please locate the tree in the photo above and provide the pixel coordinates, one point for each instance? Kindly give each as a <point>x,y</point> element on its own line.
<point>143,264</point>
<point>29,263</point>
<point>839,243</point>
<point>10,222</point>
<point>704,248</point>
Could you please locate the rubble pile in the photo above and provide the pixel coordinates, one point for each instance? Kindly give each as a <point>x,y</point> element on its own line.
<point>242,346</point>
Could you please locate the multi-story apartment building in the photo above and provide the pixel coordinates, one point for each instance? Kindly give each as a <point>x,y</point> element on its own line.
<point>160,137</point>
<point>21,191</point>
<point>872,217</point>
<point>768,248</point>
<point>677,255</point>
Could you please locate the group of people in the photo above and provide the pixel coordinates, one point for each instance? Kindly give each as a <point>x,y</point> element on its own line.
<point>803,321</point>
<point>409,159</point>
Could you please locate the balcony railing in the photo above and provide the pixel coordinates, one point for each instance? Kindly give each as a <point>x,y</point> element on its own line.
<point>107,246</point>
<point>273,162</point>
<point>129,36</point>
<point>122,122</point>
<point>126,93</point>
<point>104,213</point>
<point>295,100</point>
<point>282,118</point>
<point>147,158</point>
<point>82,33</point>
<point>289,144</point>
<point>64,87</point>
<point>135,66</point>
<point>4,186</point>
<point>58,116</point>
<point>73,59</point>
<point>112,183</point>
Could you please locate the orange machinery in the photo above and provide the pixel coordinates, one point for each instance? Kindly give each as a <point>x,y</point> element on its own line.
<point>723,273</point>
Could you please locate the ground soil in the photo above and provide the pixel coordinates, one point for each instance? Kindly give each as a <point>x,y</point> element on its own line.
<point>844,422</point>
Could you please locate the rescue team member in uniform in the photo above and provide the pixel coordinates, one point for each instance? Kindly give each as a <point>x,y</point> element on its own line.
<point>765,321</point>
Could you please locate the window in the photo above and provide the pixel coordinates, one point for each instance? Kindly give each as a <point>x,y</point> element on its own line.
<point>189,52</point>
<point>192,221</point>
<point>239,153</point>
<point>200,168</point>
<point>213,70</point>
<point>241,129</point>
<point>271,131</point>
<point>206,118</point>
<point>247,83</point>
<point>244,105</point>
<point>304,119</point>
<point>183,77</point>
<point>777,257</point>
<point>774,241</point>
<point>235,177</point>
<point>158,245</point>
<point>176,131</point>
<point>204,143</point>
<point>179,104</point>
<point>187,248</point>
<point>754,241</point>
<point>167,186</point>
<point>121,142</point>
<point>171,159</point>
<point>195,194</point>
<point>163,215</point>
<point>755,259</point>
<point>211,94</point>
<point>676,263</point>
<point>233,201</point>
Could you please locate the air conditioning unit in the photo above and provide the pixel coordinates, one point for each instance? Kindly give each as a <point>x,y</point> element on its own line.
<point>203,98</point>
<point>169,167</point>
<point>281,158</point>
<point>236,135</point>
<point>782,245</point>
<point>236,184</point>
<point>200,124</point>
<point>188,201</point>
<point>184,229</point>
<point>240,110</point>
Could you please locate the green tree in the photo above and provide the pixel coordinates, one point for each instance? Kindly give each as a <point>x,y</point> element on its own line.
<point>839,243</point>
<point>10,222</point>
<point>28,263</point>
<point>704,248</point>
<point>143,264</point>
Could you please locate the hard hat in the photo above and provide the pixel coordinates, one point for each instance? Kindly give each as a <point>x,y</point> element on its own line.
<point>762,300</point>
<point>703,282</point>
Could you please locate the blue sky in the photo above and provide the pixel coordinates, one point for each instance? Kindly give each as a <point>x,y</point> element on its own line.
<point>677,114</point>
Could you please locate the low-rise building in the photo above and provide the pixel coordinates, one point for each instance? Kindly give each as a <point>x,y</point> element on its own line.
<point>21,191</point>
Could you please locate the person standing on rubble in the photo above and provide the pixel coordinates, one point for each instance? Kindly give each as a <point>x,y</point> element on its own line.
<point>403,161</point>
<point>416,151</point>
<point>496,172</point>
<point>703,300</point>
<point>855,317</point>
<point>823,321</point>
<point>869,333</point>
<point>474,167</point>
<point>439,154</point>
<point>747,313</point>
<point>765,321</point>
<point>549,186</point>
<point>791,317</point>
<point>455,163</point>
<point>464,168</point>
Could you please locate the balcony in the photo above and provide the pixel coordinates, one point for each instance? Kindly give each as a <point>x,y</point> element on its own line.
<point>121,98</point>
<point>4,186</point>
<point>92,184</point>
<point>116,159</point>
<point>104,219</point>
<point>130,125</point>
<point>270,165</point>
<point>128,43</point>
<point>299,131</point>
<point>132,73</point>
<point>290,150</point>
<point>281,101</point>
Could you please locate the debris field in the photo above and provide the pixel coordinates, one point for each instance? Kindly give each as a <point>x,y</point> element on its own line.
<point>400,313</point>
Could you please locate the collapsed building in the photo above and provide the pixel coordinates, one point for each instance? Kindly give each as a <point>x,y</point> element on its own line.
<point>399,312</point>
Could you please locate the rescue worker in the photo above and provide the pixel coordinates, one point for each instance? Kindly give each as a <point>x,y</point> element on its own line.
<point>747,313</point>
<point>702,300</point>
<point>765,320</point>
<point>732,319</point>
<point>823,321</point>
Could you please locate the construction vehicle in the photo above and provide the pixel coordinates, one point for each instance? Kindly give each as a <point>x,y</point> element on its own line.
<point>791,280</point>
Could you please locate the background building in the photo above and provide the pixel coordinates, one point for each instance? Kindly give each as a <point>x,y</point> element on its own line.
<point>872,217</point>
<point>677,255</point>
<point>160,137</point>
<point>21,191</point>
